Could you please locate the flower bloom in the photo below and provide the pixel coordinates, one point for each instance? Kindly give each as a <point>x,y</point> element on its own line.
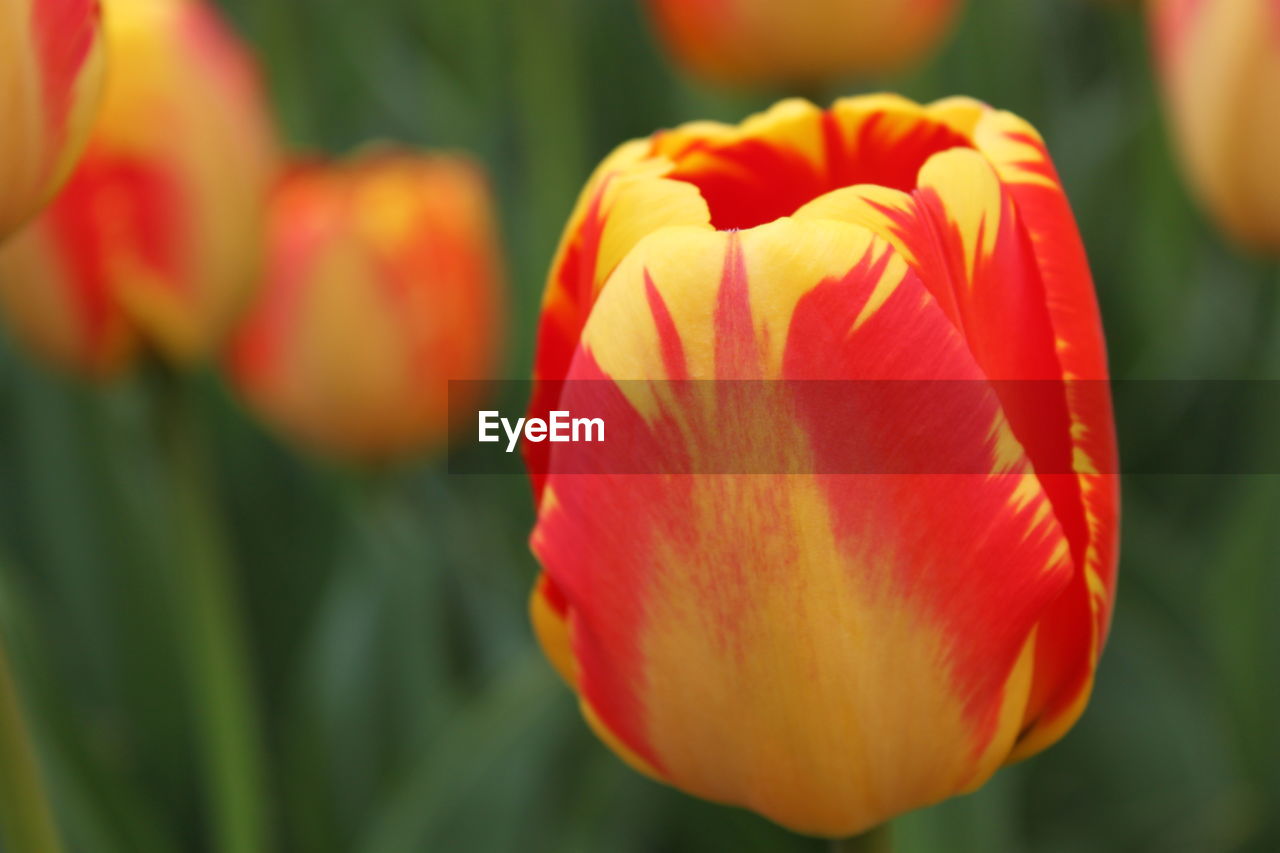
<point>803,41</point>
<point>382,282</point>
<point>157,234</point>
<point>51,64</point>
<point>829,650</point>
<point>1219,63</point>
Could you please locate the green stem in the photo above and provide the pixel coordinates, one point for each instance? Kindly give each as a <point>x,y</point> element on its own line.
<point>211,630</point>
<point>878,840</point>
<point>26,820</point>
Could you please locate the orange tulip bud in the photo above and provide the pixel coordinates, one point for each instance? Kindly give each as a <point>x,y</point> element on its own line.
<point>157,233</point>
<point>51,63</point>
<point>382,284</point>
<point>800,42</point>
<point>829,650</point>
<point>1219,62</point>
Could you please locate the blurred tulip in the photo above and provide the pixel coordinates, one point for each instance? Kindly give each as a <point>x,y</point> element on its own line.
<point>830,650</point>
<point>1219,62</point>
<point>157,233</point>
<point>800,42</point>
<point>51,69</point>
<point>382,283</point>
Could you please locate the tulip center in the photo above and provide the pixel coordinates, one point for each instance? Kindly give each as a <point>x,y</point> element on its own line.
<point>753,181</point>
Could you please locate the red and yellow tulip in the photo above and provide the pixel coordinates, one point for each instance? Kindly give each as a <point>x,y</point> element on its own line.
<point>382,283</point>
<point>1219,63</point>
<point>157,234</point>
<point>830,650</point>
<point>799,42</point>
<point>51,69</point>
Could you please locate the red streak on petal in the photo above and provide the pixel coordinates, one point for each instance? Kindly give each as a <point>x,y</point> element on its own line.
<point>668,336</point>
<point>115,215</point>
<point>737,351</point>
<point>63,32</point>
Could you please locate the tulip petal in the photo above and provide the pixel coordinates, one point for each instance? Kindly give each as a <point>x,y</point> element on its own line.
<point>754,172</point>
<point>1219,64</point>
<point>1079,622</point>
<point>777,161</point>
<point>381,282</point>
<point>51,76</point>
<point>960,231</point>
<point>772,641</point>
<point>108,226</point>
<point>162,216</point>
<point>623,201</point>
<point>620,205</point>
<point>67,34</point>
<point>188,70</point>
<point>548,612</point>
<point>1001,256</point>
<point>72,318</point>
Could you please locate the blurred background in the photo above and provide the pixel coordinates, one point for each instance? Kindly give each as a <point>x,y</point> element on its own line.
<point>379,619</point>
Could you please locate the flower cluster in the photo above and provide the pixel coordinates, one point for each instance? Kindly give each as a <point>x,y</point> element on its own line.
<point>826,649</point>
<point>343,295</point>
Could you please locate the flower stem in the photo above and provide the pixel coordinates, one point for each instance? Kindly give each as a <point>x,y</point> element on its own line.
<point>210,629</point>
<point>26,820</point>
<point>878,840</point>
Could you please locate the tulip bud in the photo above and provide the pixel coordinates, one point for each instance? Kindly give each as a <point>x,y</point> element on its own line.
<point>1219,63</point>
<point>382,283</point>
<point>51,64</point>
<point>800,42</point>
<point>156,235</point>
<point>829,650</point>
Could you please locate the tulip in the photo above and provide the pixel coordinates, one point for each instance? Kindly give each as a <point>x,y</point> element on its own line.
<point>381,284</point>
<point>51,69</point>
<point>802,42</point>
<point>832,650</point>
<point>157,234</point>
<point>1219,63</point>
